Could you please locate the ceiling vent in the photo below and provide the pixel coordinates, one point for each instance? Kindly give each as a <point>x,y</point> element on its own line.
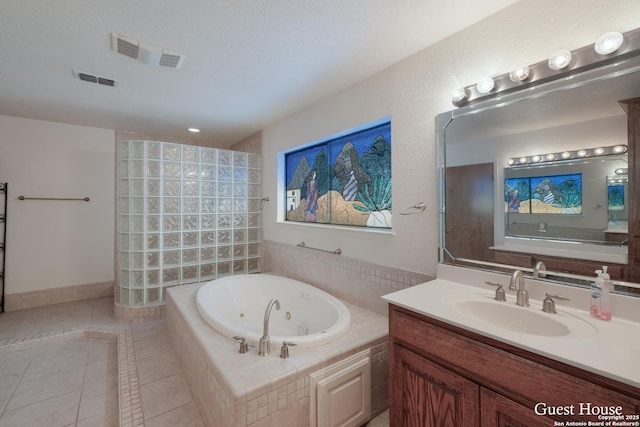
<point>146,53</point>
<point>90,78</point>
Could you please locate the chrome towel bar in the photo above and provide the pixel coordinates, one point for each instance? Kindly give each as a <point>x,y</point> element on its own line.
<point>336,252</point>
<point>414,209</point>
<point>84,199</point>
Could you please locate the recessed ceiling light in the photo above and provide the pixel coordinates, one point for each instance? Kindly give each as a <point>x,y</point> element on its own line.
<point>194,130</point>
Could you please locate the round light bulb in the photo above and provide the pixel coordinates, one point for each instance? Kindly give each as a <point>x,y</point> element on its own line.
<point>194,130</point>
<point>519,75</point>
<point>459,95</point>
<point>619,148</point>
<point>598,151</point>
<point>560,60</point>
<point>485,85</point>
<point>581,153</point>
<point>536,159</point>
<point>511,162</point>
<point>565,155</point>
<point>523,160</point>
<point>608,43</point>
<point>550,157</point>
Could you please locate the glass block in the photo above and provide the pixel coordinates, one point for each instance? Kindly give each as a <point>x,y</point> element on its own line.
<point>123,278</point>
<point>153,169</point>
<point>208,205</point>
<point>224,269</point>
<point>224,205</point>
<point>190,239</point>
<point>239,159</point>
<point>170,275</point>
<point>254,235</point>
<point>190,205</point>
<point>171,152</point>
<point>171,223</point>
<point>239,236</point>
<point>208,155</point>
<point>253,205</point>
<point>254,265</point>
<point>224,253</point>
<point>136,242</point>
<point>224,157</point>
<point>154,150</point>
<point>239,220</point>
<point>123,223</point>
<point>153,241</point>
<point>136,260</point>
<point>171,187</point>
<point>153,259</point>
<point>254,175</point>
<point>224,173</point>
<point>208,189</point>
<point>123,242</point>
<point>123,150</point>
<point>190,256</point>
<point>254,160</point>
<point>225,189</point>
<point>153,223</point>
<point>123,187</point>
<point>153,205</point>
<point>255,190</point>
<point>207,271</point>
<point>136,149</point>
<point>190,188</point>
<point>240,205</point>
<point>239,266</point>
<point>123,260</point>
<point>136,205</point>
<point>189,171</point>
<point>190,154</point>
<point>240,174</point>
<point>136,168</point>
<point>170,258</point>
<point>154,295</point>
<point>153,187</point>
<point>208,172</point>
<point>224,237</point>
<point>171,205</point>
<point>207,238</point>
<point>171,170</point>
<point>124,296</point>
<point>190,274</point>
<point>190,222</point>
<point>123,205</point>
<point>207,254</point>
<point>253,250</point>
<point>224,221</point>
<point>123,169</point>
<point>239,190</point>
<point>136,279</point>
<point>253,220</point>
<point>136,297</point>
<point>239,251</point>
<point>171,240</point>
<point>136,186</point>
<point>208,221</point>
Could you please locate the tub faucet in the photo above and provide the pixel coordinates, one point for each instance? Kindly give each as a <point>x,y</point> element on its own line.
<point>265,342</point>
<point>517,283</point>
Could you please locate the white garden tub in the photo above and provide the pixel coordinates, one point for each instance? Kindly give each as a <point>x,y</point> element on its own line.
<point>308,316</point>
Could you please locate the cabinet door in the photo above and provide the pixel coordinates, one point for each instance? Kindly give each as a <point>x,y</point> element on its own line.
<point>424,394</point>
<point>498,411</point>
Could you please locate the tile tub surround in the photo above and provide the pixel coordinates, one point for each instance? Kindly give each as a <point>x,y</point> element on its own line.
<point>239,390</point>
<point>367,282</point>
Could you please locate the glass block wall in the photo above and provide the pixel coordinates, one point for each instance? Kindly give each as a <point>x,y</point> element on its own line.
<point>186,214</point>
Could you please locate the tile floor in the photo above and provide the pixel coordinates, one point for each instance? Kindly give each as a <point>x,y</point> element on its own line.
<point>54,373</point>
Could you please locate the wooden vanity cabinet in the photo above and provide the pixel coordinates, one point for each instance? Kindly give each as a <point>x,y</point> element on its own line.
<point>443,375</point>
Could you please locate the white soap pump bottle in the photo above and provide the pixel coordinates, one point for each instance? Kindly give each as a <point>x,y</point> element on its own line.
<point>605,297</point>
<point>596,288</point>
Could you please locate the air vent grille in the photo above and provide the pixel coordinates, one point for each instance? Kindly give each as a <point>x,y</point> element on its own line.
<point>169,60</point>
<point>145,52</point>
<point>127,48</point>
<point>90,78</point>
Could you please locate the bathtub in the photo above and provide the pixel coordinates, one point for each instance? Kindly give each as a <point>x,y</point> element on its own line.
<point>308,316</point>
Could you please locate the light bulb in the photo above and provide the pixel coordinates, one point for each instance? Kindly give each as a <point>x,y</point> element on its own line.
<point>536,159</point>
<point>523,160</point>
<point>581,153</point>
<point>485,85</point>
<point>565,155</point>
<point>519,75</point>
<point>459,95</point>
<point>598,151</point>
<point>560,60</point>
<point>511,162</point>
<point>619,148</point>
<point>608,43</point>
<point>550,157</point>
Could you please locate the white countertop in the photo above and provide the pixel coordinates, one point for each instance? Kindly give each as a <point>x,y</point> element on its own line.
<point>610,348</point>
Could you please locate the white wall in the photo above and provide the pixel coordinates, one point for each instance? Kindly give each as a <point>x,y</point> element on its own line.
<point>53,244</point>
<point>413,92</point>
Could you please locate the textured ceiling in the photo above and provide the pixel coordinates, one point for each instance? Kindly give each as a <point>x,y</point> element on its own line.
<point>248,62</point>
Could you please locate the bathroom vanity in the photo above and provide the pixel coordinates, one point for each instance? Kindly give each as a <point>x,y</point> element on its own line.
<point>454,363</point>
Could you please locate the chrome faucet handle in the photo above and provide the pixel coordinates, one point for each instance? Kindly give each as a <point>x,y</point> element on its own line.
<point>244,347</point>
<point>284,351</point>
<point>500,293</point>
<point>549,305</point>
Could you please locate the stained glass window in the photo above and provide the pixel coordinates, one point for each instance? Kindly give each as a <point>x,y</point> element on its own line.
<point>552,194</point>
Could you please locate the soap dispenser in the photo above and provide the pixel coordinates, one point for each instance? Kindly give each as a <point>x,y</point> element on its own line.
<point>605,297</point>
<point>595,295</point>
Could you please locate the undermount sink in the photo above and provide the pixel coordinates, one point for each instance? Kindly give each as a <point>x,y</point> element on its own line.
<point>524,320</point>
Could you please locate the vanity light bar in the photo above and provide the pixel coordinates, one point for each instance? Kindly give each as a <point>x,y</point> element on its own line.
<point>609,48</point>
<point>566,155</point>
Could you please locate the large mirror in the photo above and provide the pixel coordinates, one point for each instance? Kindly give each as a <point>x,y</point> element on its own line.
<point>505,204</point>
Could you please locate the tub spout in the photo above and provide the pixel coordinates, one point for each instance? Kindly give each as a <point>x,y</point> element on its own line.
<point>265,342</point>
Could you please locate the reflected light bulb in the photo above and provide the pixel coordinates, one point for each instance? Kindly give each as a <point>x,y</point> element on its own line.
<point>523,160</point>
<point>550,157</point>
<point>536,159</point>
<point>581,153</point>
<point>598,151</point>
<point>565,155</point>
<point>519,75</point>
<point>560,60</point>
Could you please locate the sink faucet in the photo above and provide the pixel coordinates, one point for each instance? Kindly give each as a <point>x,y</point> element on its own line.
<point>539,270</point>
<point>265,341</point>
<point>517,284</point>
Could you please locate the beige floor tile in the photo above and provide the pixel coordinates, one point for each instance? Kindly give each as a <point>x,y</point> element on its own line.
<point>157,367</point>
<point>56,411</point>
<point>152,346</point>
<point>46,386</point>
<point>99,401</point>
<point>186,415</point>
<point>164,395</point>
